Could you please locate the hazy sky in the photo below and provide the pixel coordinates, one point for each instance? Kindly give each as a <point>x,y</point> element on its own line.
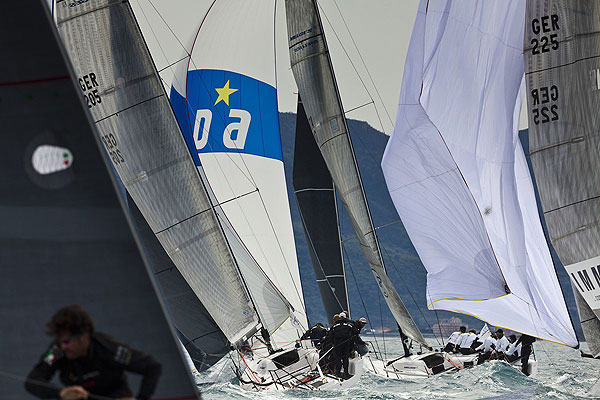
<point>380,28</point>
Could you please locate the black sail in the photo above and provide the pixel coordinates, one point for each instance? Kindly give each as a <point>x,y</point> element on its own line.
<point>64,238</point>
<point>315,194</point>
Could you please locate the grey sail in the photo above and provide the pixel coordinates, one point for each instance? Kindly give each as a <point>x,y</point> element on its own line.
<point>562,66</point>
<point>138,128</point>
<point>316,83</point>
<point>315,195</point>
<point>198,332</point>
<point>64,238</point>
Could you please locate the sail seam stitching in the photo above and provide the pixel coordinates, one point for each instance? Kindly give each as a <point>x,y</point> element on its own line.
<point>183,220</point>
<point>571,204</point>
<point>127,108</point>
<point>313,189</point>
<point>562,65</point>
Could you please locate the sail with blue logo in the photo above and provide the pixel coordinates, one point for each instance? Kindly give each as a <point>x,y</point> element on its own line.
<point>225,99</point>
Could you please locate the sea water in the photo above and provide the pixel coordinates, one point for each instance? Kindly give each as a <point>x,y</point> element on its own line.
<point>562,374</point>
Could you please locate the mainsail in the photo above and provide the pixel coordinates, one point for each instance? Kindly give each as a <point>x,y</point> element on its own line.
<point>562,62</point>
<point>224,95</point>
<point>196,329</point>
<point>458,176</point>
<point>316,83</point>
<point>315,194</point>
<point>139,130</point>
<point>64,238</point>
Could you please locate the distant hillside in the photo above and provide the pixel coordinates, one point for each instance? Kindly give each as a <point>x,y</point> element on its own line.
<point>402,262</point>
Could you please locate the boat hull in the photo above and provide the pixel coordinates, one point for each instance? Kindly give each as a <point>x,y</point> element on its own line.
<point>295,368</point>
<point>429,364</point>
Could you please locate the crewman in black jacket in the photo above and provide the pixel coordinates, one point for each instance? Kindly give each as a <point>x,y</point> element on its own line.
<point>526,347</point>
<point>89,362</point>
<point>316,334</point>
<point>343,334</point>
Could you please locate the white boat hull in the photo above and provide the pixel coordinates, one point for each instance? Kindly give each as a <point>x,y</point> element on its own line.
<point>428,364</point>
<point>415,366</point>
<point>295,368</point>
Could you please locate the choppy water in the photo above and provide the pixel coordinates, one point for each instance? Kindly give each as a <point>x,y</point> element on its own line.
<point>562,374</point>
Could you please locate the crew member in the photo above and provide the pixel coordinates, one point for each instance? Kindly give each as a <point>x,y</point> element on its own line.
<point>89,362</point>
<point>316,334</point>
<point>453,339</point>
<point>360,344</point>
<point>514,350</point>
<point>526,342</point>
<point>487,348</point>
<point>465,341</point>
<point>360,323</point>
<point>343,334</point>
<point>502,344</point>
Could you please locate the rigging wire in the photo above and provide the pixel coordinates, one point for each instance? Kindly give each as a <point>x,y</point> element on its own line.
<point>391,260</point>
<point>382,330</point>
<point>360,295</point>
<point>354,66</point>
<point>311,243</point>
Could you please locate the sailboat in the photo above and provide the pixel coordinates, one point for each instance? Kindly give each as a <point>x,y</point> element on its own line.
<point>213,214</point>
<point>563,79</point>
<point>457,173</point>
<point>64,236</point>
<point>326,123</point>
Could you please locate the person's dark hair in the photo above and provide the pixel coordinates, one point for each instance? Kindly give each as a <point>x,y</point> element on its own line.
<point>463,329</point>
<point>73,319</point>
<point>513,337</point>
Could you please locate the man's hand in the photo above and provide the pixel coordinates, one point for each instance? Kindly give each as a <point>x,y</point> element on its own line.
<point>73,393</point>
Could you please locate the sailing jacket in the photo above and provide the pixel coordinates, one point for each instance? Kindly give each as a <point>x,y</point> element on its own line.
<point>488,344</point>
<point>502,344</point>
<point>343,332</point>
<point>454,337</point>
<point>465,340</point>
<point>513,349</point>
<point>101,371</point>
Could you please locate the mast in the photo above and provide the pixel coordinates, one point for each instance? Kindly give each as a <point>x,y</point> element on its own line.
<point>316,82</point>
<point>563,93</point>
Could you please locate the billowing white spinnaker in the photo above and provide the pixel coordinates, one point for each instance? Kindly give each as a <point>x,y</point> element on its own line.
<point>457,173</point>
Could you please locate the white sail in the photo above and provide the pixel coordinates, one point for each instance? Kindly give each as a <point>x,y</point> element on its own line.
<point>226,102</point>
<point>457,173</point>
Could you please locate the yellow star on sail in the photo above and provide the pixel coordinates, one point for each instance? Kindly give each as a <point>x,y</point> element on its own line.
<point>224,93</point>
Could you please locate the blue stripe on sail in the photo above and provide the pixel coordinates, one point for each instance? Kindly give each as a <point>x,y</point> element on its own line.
<point>252,111</point>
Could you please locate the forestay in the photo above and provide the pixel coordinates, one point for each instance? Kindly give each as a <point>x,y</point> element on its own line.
<point>141,135</point>
<point>312,69</point>
<point>224,95</point>
<point>315,194</point>
<point>562,61</point>
<point>458,176</point>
